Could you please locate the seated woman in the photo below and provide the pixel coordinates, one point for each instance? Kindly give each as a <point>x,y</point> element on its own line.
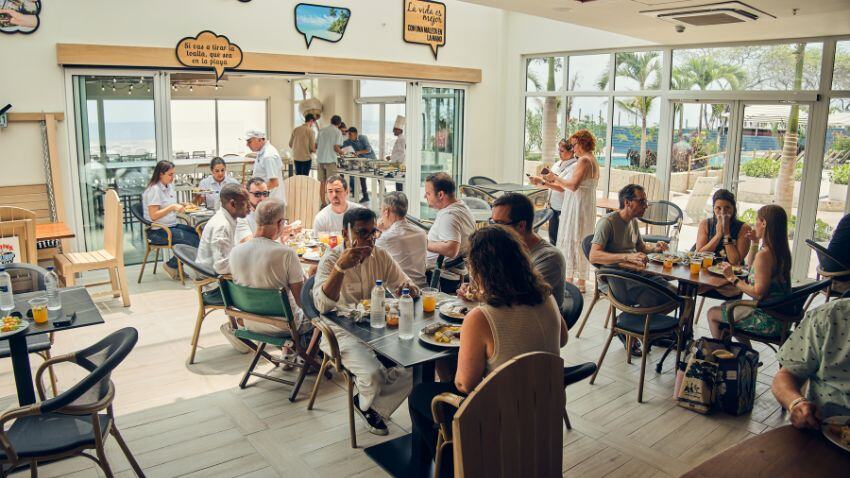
<point>770,276</point>
<point>519,315</point>
<point>724,234</point>
<point>159,204</point>
<point>213,183</point>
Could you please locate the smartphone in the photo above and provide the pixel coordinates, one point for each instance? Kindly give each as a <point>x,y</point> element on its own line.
<point>66,321</point>
<point>544,171</point>
<point>528,175</point>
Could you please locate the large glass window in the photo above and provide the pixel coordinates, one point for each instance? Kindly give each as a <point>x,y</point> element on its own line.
<point>381,102</point>
<point>639,70</point>
<point>841,72</point>
<point>207,128</point>
<point>634,144</point>
<point>370,124</point>
<point>372,88</point>
<point>235,117</point>
<point>588,72</point>
<point>545,74</point>
<point>591,113</point>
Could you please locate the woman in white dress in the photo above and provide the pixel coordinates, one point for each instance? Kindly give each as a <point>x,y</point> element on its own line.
<point>578,211</point>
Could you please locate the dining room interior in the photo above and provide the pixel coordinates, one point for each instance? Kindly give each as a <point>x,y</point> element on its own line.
<point>418,238</point>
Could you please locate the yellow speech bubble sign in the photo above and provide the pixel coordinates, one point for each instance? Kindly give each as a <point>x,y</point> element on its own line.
<point>208,50</point>
<point>425,23</point>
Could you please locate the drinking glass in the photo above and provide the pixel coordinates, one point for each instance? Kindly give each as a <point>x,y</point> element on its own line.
<point>707,260</point>
<point>668,262</point>
<point>324,238</point>
<point>696,264</point>
<point>429,299</point>
<point>39,309</point>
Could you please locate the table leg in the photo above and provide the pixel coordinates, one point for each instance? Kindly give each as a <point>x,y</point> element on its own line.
<point>21,366</point>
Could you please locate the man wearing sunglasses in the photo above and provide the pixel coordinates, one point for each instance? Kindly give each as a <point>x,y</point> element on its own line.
<point>258,191</point>
<point>346,275</point>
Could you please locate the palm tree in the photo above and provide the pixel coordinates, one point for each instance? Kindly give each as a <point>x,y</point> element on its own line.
<point>645,69</point>
<point>548,150</point>
<point>788,160</point>
<point>704,71</point>
<point>680,81</point>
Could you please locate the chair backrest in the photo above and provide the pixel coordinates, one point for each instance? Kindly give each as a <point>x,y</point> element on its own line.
<point>662,213</point>
<point>478,180</point>
<point>100,360</point>
<point>573,304</point>
<point>136,209</point>
<point>827,261</point>
<point>476,203</point>
<point>695,207</point>
<point>265,302</point>
<point>19,223</point>
<point>792,305</point>
<point>539,198</point>
<point>476,192</point>
<point>188,255</point>
<point>303,199</point>
<point>586,243</point>
<point>308,306</point>
<point>26,277</point>
<point>31,197</point>
<point>113,225</point>
<point>418,223</point>
<point>621,283</point>
<point>541,217</point>
<point>510,425</point>
<point>651,185</point>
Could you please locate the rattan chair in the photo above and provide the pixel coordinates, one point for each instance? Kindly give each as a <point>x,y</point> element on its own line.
<point>481,180</point>
<point>600,288</point>
<point>150,245</point>
<point>71,423</point>
<point>208,300</point>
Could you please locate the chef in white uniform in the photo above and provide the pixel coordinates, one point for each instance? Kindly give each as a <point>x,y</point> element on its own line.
<point>399,151</point>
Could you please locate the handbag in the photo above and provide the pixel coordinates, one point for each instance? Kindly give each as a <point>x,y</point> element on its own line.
<point>719,375</point>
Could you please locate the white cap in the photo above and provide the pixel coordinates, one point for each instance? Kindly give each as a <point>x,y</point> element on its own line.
<point>254,133</point>
<point>399,122</point>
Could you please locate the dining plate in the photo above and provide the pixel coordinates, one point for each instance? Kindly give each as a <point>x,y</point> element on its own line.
<point>833,433</point>
<point>456,309</point>
<point>659,258</point>
<point>429,338</point>
<point>715,269</point>
<point>313,255</point>
<point>20,328</point>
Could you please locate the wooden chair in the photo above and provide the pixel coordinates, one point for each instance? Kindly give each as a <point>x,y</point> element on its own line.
<point>600,288</point>
<point>71,420</point>
<point>20,223</point>
<point>789,310</point>
<point>651,185</point>
<point>840,279</point>
<point>510,425</point>
<point>635,322</point>
<point>303,199</point>
<point>208,300</point>
<point>111,257</point>
<point>270,307</point>
<point>150,245</point>
<point>695,207</point>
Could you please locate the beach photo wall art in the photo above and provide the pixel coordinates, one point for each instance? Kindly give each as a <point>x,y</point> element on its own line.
<point>320,21</point>
<point>19,16</point>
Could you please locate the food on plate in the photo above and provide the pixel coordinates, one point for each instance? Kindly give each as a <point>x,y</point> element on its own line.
<point>365,304</point>
<point>459,309</point>
<point>840,431</point>
<point>190,207</point>
<point>10,324</point>
<point>442,333</point>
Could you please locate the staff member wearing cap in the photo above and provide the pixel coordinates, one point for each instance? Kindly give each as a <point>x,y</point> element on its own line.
<point>399,148</point>
<point>268,164</point>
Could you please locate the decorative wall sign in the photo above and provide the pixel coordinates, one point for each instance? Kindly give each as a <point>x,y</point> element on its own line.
<point>10,250</point>
<point>319,21</point>
<point>425,23</point>
<point>19,16</point>
<point>209,51</point>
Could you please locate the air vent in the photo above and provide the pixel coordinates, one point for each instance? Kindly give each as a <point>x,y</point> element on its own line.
<point>710,14</point>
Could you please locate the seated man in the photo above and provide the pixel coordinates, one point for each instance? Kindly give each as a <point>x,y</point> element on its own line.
<point>329,219</point>
<point>818,351</point>
<point>839,248</point>
<point>258,191</point>
<point>213,183</point>
<point>346,275</point>
<point>449,236</point>
<point>404,241</point>
<point>517,212</point>
<point>219,234</point>
<point>264,263</point>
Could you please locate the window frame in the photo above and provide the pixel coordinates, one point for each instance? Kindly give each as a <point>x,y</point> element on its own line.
<point>216,118</point>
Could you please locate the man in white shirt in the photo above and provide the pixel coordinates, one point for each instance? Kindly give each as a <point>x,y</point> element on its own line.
<point>329,148</point>
<point>219,234</point>
<point>406,242</point>
<point>264,263</point>
<point>268,165</point>
<point>258,192</point>
<point>399,151</point>
<point>213,183</point>
<point>449,236</point>
<point>329,219</point>
<point>346,275</point>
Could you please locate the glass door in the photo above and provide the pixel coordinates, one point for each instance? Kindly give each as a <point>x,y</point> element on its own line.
<point>116,133</point>
<point>441,111</point>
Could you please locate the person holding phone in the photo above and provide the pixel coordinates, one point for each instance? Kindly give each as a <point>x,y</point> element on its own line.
<point>556,192</point>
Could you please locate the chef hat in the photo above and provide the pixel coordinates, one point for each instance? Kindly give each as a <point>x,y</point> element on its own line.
<point>399,122</point>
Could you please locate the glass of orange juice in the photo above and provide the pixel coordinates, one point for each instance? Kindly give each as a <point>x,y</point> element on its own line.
<point>668,262</point>
<point>707,260</point>
<point>39,309</point>
<point>696,264</point>
<point>429,299</point>
<point>324,238</point>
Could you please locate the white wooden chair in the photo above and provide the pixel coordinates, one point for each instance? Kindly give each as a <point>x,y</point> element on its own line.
<point>20,223</point>
<point>650,184</point>
<point>695,208</point>
<point>302,199</point>
<point>111,257</point>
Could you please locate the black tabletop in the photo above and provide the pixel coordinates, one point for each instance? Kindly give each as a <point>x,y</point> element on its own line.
<point>385,341</point>
<point>509,188</point>
<point>74,299</point>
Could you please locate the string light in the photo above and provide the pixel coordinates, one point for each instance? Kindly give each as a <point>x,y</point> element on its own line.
<point>102,87</point>
<point>113,80</point>
<point>191,89</point>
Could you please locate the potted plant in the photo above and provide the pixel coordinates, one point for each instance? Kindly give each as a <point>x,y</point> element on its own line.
<point>838,177</point>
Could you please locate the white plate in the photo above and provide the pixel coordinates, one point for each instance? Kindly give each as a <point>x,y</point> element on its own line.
<point>312,255</point>
<point>715,269</point>
<point>829,436</point>
<point>24,324</point>
<point>455,343</point>
<point>659,258</point>
<point>445,308</point>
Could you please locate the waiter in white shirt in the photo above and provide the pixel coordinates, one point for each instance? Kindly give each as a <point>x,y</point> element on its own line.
<point>268,164</point>
<point>399,151</point>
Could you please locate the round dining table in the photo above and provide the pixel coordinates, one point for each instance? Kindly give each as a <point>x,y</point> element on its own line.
<point>784,451</point>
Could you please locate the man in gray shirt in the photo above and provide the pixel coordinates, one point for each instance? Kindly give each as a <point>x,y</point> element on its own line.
<point>517,212</point>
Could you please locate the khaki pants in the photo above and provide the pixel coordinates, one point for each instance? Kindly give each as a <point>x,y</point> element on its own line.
<point>325,170</point>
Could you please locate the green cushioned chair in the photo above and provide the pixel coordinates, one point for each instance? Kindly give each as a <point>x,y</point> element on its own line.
<point>271,307</point>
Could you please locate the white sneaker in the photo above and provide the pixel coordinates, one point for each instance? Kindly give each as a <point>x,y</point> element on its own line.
<point>238,345</point>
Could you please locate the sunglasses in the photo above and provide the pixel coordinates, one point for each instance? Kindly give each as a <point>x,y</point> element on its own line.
<point>260,194</point>
<point>493,221</point>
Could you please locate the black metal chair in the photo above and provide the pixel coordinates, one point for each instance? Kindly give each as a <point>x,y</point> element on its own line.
<point>789,310</point>
<point>662,214</point>
<point>840,279</point>
<point>475,203</point>
<point>600,288</point>
<point>71,423</point>
<point>443,264</point>
<point>481,180</point>
<point>419,223</point>
<point>574,374</point>
<point>30,278</point>
<point>644,323</point>
<point>209,299</point>
<point>572,305</point>
<point>154,245</point>
<point>541,217</point>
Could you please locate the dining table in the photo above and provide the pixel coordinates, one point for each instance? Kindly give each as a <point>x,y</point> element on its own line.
<point>510,188</point>
<point>397,456</point>
<point>75,300</point>
<point>53,231</point>
<point>608,204</point>
<point>782,452</point>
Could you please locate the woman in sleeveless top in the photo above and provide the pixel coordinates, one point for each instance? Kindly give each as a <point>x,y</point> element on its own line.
<point>518,315</point>
<point>770,277</point>
<point>723,233</point>
<point>578,211</point>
